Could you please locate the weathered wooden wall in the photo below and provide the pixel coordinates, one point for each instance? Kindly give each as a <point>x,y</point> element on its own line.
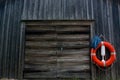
<point>10,11</point>
<point>106,14</point>
<point>57,49</point>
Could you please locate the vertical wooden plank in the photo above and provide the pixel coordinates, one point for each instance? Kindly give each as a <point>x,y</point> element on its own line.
<point>88,7</point>
<point>21,51</point>
<point>24,11</point>
<point>92,66</point>
<point>118,50</point>
<point>30,9</point>
<point>92,10</point>
<point>35,10</point>
<point>55,9</point>
<point>84,9</point>
<point>14,57</point>
<point>110,21</point>
<point>10,38</point>
<point>19,37</point>
<point>62,9</point>
<point>4,58</point>
<point>115,32</point>
<point>41,11</point>
<point>44,7</point>
<point>2,10</point>
<point>49,9</point>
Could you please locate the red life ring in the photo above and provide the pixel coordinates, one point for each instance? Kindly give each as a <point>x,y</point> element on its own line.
<point>100,62</point>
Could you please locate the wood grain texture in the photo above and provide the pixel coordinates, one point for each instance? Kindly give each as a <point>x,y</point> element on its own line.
<point>60,37</point>
<point>63,53</point>
<point>105,13</point>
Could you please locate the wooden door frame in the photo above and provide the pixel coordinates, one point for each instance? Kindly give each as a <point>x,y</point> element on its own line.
<point>49,22</point>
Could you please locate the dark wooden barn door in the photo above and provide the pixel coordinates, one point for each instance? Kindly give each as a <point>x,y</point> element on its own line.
<point>57,51</point>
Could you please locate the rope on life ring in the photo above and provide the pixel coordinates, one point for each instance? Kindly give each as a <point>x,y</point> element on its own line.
<point>103,63</point>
